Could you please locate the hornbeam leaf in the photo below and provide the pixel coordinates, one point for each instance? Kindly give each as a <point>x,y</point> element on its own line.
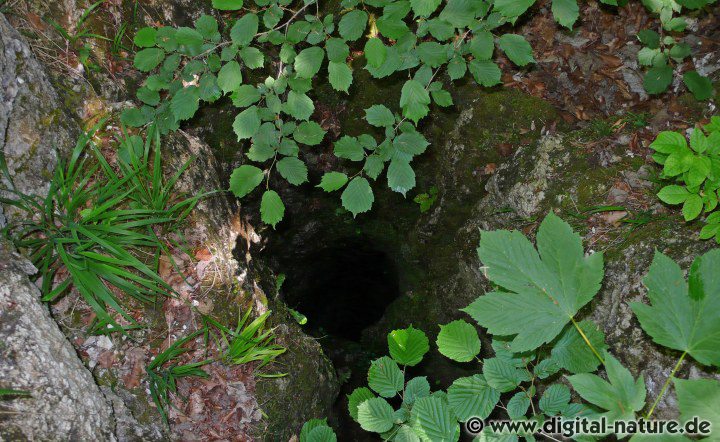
<point>542,292</point>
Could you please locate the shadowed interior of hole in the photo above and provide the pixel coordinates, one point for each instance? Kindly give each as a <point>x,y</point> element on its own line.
<point>342,288</point>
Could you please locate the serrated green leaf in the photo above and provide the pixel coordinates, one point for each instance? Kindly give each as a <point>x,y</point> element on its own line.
<point>227,5</point>
<point>571,352</point>
<point>517,49</point>
<point>432,416</point>
<point>299,106</point>
<point>544,291</point>
<point>353,24</point>
<point>245,95</point>
<point>649,38</point>
<point>554,399</point>
<point>415,389</point>
<point>185,103</point>
<point>337,50</point>
<point>405,434</point>
<point>458,341</point>
<point>457,67</point>
<point>657,79</point>
<point>401,176</point>
<point>414,100</point>
<point>252,57</point>
<point>332,181</point>
<point>547,368</point>
<point>272,209</point>
<point>245,179</point>
<point>244,30</point>
<point>309,132</point>
<point>699,397</point>
<point>565,12</point>
<point>308,61</point>
<point>293,170</point>
<point>681,316</point>
<point>621,396</point>
<point>485,72</point>
<point>145,37</point>
<point>340,76</point>
<point>357,397</point>
<point>692,207</point>
<point>503,376</point>
<point>148,59</point>
<point>358,196</point>
<point>517,406</point>
<point>379,116</point>
<point>408,345</point>
<point>701,87</point>
<point>247,123</point>
<point>349,148</point>
<point>482,45</point>
<point>230,77</point>
<point>385,377</point>
<point>432,53</point>
<point>376,415</point>
<point>472,397</point>
<point>423,8</point>
<point>375,52</point>
<point>512,8</point>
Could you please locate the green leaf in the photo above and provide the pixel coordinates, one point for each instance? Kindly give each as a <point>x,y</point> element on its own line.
<point>571,352</point>
<point>681,316</point>
<point>245,95</point>
<point>423,8</point>
<point>245,179</point>
<point>485,72</point>
<point>293,170</point>
<point>357,397</point>
<point>406,434</point>
<point>376,415</point>
<point>332,181</point>
<point>692,208</point>
<point>554,399</point>
<point>353,24</point>
<point>512,8</point>
<point>375,52</point>
<point>432,416</point>
<point>207,26</point>
<point>299,106</point>
<point>147,96</point>
<point>621,396</point>
<point>548,367</point>
<point>230,77</point>
<point>272,209</point>
<point>699,397</point>
<point>340,76</point>
<point>148,59</point>
<point>408,346</point>
<point>432,53</point>
<point>247,123</point>
<point>657,79</point>
<point>414,100</point>
<point>308,61</point>
<point>649,38</point>
<point>701,87</point>
<point>544,291</point>
<point>384,377</point>
<point>518,405</point>
<point>482,45</point>
<point>458,341</point>
<point>145,37</point>
<point>415,389</point>
<point>442,98</point>
<point>337,50</point>
<point>401,176</point>
<point>252,57</point>
<point>244,30</point>
<point>457,68</point>
<point>379,116</point>
<point>461,13</point>
<point>185,103</point>
<point>472,397</point>
<point>503,376</point>
<point>358,196</point>
<point>669,142</point>
<point>227,5</point>
<point>309,132</point>
<point>517,49</point>
<point>321,434</point>
<point>565,12</point>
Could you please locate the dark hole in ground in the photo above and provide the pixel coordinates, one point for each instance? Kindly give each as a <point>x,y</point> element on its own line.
<point>342,288</point>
